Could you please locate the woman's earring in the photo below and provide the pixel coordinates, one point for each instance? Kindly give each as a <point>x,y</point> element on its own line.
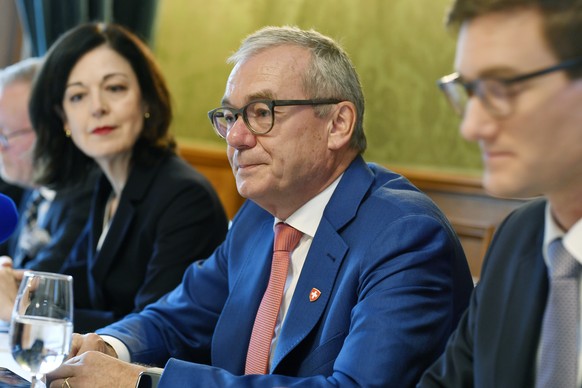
<point>146,115</point>
<point>67,132</point>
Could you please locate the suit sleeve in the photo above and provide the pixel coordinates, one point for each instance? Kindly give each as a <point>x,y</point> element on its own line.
<point>454,368</point>
<point>398,326</point>
<point>189,229</point>
<point>180,324</point>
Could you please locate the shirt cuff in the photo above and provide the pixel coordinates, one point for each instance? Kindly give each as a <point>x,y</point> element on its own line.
<point>119,347</point>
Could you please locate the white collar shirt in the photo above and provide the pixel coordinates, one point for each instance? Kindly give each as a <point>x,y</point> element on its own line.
<point>306,219</point>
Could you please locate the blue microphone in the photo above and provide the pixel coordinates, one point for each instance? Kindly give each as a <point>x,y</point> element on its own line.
<point>8,217</point>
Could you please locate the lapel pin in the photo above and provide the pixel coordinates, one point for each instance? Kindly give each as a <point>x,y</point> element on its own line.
<point>314,294</point>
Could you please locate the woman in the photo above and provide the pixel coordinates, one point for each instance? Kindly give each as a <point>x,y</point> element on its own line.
<point>101,98</point>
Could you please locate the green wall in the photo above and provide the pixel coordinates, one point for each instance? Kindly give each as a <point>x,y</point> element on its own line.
<point>399,48</point>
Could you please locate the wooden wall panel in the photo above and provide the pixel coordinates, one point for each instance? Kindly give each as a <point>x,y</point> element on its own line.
<point>214,165</point>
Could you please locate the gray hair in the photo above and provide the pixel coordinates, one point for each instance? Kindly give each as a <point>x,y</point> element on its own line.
<point>330,74</point>
<point>23,71</point>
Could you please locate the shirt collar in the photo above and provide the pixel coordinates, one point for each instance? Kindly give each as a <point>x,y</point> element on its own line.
<point>47,194</point>
<point>572,239</point>
<point>306,219</point>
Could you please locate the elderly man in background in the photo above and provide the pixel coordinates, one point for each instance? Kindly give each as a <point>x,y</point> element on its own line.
<point>367,279</point>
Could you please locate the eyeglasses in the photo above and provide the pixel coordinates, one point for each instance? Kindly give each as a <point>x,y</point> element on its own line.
<point>4,138</point>
<point>494,93</point>
<point>259,115</point>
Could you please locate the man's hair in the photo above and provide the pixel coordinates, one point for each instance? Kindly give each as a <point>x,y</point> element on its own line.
<point>23,71</point>
<point>330,74</point>
<point>562,22</point>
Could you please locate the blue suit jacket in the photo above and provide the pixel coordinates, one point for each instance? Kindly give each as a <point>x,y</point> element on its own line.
<point>168,216</point>
<point>393,281</point>
<point>63,221</point>
<point>497,339</point>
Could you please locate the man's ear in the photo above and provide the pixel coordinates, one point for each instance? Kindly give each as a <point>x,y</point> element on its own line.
<point>341,125</point>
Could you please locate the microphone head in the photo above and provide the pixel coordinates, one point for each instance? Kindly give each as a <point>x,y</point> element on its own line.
<point>8,217</point>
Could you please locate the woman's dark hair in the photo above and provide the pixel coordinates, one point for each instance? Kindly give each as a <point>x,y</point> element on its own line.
<point>58,162</point>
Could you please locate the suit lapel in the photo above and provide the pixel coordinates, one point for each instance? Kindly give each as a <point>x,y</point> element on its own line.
<point>328,249</point>
<point>524,307</point>
<point>135,190</point>
<point>319,271</point>
<point>324,259</point>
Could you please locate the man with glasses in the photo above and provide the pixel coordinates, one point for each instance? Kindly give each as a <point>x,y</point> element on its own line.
<point>50,221</point>
<point>519,93</point>
<point>376,278</point>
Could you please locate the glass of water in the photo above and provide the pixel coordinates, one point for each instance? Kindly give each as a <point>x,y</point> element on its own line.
<point>41,327</point>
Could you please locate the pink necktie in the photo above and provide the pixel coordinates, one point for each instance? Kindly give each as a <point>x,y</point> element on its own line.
<point>286,239</point>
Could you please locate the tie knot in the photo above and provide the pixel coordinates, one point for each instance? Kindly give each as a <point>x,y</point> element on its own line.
<point>286,237</point>
<point>562,263</point>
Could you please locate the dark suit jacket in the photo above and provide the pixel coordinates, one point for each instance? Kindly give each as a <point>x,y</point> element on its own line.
<point>496,342</point>
<point>393,282</point>
<point>63,221</point>
<point>14,192</point>
<point>168,216</point>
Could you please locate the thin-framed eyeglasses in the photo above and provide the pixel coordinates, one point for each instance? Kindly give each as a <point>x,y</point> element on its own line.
<point>4,143</point>
<point>495,93</point>
<point>258,115</point>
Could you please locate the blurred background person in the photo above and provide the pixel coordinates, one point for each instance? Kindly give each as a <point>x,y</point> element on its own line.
<point>518,88</point>
<point>101,98</point>
<point>50,220</point>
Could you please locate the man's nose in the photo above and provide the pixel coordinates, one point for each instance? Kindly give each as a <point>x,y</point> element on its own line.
<point>240,135</point>
<point>477,122</point>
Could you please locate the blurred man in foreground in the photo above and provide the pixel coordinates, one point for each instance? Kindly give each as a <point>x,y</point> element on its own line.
<point>519,91</point>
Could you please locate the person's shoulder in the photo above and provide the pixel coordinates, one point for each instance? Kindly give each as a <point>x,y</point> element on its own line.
<point>173,175</point>
<point>387,178</point>
<point>526,213</point>
<point>81,188</point>
<point>175,167</point>
<point>392,187</point>
<point>522,227</point>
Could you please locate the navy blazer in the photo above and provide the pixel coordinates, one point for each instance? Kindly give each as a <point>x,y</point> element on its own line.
<point>393,280</point>
<point>12,191</point>
<point>63,221</point>
<point>168,217</point>
<point>497,339</point>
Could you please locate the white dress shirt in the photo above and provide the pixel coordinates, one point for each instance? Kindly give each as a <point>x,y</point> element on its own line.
<point>306,220</point>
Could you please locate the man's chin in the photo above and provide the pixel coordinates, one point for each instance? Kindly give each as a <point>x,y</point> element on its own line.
<point>505,188</point>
